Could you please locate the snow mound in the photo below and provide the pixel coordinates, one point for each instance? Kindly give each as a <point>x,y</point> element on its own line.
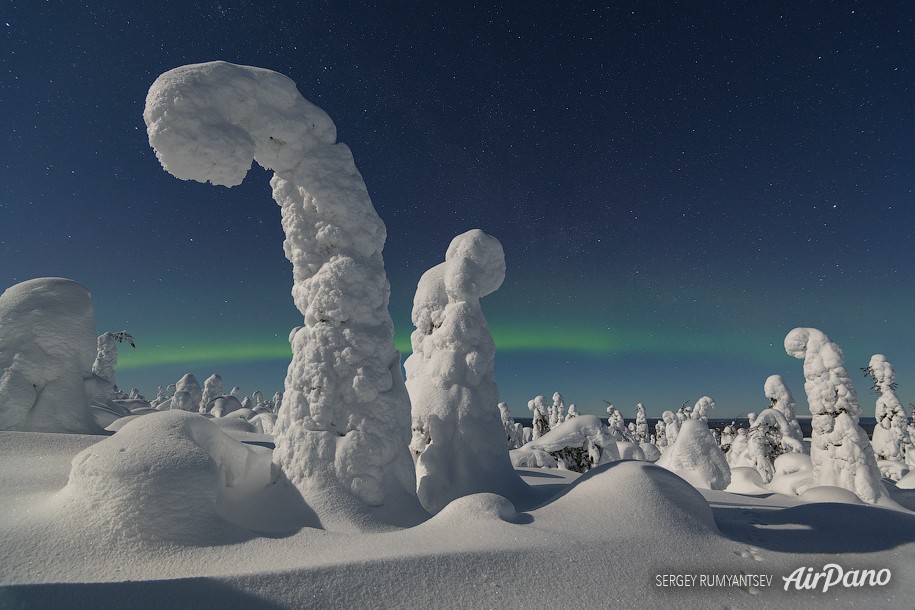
<point>163,476</point>
<point>650,451</point>
<point>237,424</point>
<point>696,457</point>
<point>480,507</point>
<point>47,347</point>
<point>637,497</point>
<point>630,451</point>
<point>829,493</point>
<point>746,480</point>
<point>907,482</point>
<point>793,474</point>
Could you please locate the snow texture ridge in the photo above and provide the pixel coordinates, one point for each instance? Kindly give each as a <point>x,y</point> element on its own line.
<point>343,430</point>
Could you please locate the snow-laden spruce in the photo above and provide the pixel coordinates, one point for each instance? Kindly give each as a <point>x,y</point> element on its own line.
<point>769,437</point>
<point>458,435</point>
<point>212,389</point>
<point>890,439</point>
<point>841,453</point>
<point>782,400</point>
<point>540,421</point>
<point>704,406</point>
<point>694,454</point>
<point>343,431</point>
<point>47,347</point>
<point>641,424</point>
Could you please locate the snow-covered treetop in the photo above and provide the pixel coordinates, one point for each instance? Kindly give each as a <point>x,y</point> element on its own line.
<point>829,387</point>
<point>208,121</point>
<point>703,407</point>
<point>882,373</point>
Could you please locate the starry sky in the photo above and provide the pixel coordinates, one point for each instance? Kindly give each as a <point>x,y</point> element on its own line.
<point>676,184</point>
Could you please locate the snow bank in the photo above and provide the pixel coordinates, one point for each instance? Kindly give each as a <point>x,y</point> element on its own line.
<point>696,457</point>
<point>343,430</point>
<point>459,442</point>
<point>163,476</point>
<point>638,499</point>
<point>47,347</point>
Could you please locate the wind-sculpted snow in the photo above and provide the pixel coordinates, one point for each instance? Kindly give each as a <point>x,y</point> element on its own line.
<point>696,457</point>
<point>841,453</point>
<point>47,347</point>
<point>343,430</point>
<point>162,476</point>
<point>459,442</point>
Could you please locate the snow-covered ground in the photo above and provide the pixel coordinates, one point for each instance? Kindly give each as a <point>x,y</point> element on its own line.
<point>605,539</point>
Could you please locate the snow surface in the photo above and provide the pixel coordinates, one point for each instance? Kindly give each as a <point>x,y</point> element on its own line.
<point>599,540</point>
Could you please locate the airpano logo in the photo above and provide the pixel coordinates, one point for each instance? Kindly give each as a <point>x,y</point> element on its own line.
<point>833,575</point>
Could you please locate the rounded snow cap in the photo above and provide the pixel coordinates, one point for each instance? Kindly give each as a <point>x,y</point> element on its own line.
<point>474,265</point>
<point>796,341</point>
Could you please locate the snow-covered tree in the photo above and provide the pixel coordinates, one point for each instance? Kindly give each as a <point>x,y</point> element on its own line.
<point>769,437</point>
<point>541,423</point>
<point>660,433</point>
<point>737,454</point>
<point>557,410</point>
<point>891,440</point>
<point>188,383</point>
<point>47,346</point>
<point>695,456</point>
<point>727,437</point>
<point>184,401</point>
<point>641,424</point>
<point>458,441</point>
<point>672,425</point>
<point>703,407</point>
<point>573,411</point>
<point>513,432</point>
<point>277,401</point>
<point>782,400</point>
<point>212,389</point>
<point>343,431</point>
<point>841,453</point>
<point>161,396</point>
<point>617,425</point>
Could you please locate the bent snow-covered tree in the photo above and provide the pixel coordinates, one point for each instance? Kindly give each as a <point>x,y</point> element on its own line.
<point>342,434</point>
<point>841,453</point>
<point>458,436</point>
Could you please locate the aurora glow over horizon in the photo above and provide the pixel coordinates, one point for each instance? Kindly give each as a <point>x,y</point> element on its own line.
<point>676,186</point>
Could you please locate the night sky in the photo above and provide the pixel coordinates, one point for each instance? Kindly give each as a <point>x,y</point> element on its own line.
<point>676,185</point>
